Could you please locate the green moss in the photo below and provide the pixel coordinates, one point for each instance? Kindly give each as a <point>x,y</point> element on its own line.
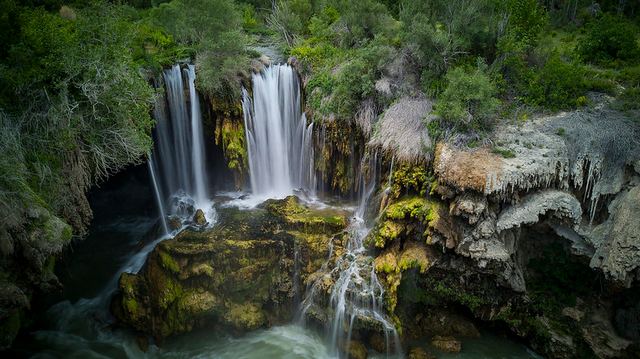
<point>386,232</point>
<point>172,292</point>
<point>411,178</point>
<point>50,265</point>
<point>231,135</point>
<point>297,216</point>
<point>403,218</point>
<point>9,328</point>
<point>413,257</point>
<point>131,305</point>
<point>446,293</point>
<point>169,263</point>
<point>504,152</point>
<point>386,263</point>
<point>246,316</point>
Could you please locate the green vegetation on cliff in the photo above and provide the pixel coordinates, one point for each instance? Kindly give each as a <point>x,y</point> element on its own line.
<point>479,60</point>
<point>75,107</point>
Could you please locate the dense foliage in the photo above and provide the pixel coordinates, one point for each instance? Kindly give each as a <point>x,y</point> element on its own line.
<point>540,55</point>
<point>76,94</point>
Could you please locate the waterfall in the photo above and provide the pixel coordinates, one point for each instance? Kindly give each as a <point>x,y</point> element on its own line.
<point>156,191</point>
<point>279,140</point>
<point>357,294</point>
<point>177,163</point>
<point>197,145</point>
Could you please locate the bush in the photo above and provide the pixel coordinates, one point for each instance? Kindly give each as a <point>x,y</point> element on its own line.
<point>468,101</point>
<point>557,85</point>
<point>441,32</point>
<point>83,105</point>
<point>610,40</point>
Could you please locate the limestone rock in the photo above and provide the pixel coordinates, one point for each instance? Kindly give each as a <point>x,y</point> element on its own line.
<point>446,344</point>
<point>619,254</point>
<point>470,205</point>
<point>558,203</point>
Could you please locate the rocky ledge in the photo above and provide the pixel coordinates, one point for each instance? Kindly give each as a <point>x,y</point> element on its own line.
<point>242,274</point>
<point>536,234</point>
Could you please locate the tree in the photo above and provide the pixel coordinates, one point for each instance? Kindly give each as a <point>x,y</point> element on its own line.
<point>609,39</point>
<point>468,101</point>
<point>441,32</point>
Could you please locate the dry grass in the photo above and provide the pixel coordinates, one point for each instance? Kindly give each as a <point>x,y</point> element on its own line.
<point>402,130</point>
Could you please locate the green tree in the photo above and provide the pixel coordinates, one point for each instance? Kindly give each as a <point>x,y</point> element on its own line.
<point>441,32</point>
<point>468,101</point>
<point>610,39</point>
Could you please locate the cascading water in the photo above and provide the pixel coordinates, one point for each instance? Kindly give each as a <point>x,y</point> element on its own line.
<point>158,196</point>
<point>357,293</point>
<point>278,137</point>
<point>178,169</point>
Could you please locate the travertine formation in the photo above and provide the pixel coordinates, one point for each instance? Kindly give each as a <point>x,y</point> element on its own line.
<point>561,169</point>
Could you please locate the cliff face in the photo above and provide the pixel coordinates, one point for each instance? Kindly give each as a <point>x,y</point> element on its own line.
<point>536,233</point>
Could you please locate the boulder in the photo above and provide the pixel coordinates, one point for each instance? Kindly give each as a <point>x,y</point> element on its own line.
<point>446,344</point>
<point>356,350</point>
<point>240,274</point>
<point>199,218</point>
<point>419,353</point>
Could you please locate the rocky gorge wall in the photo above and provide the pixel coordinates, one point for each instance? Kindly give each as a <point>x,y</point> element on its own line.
<point>534,235</point>
<point>538,237</point>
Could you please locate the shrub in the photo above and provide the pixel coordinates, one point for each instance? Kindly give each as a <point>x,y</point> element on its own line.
<point>610,39</point>
<point>468,101</point>
<point>558,84</point>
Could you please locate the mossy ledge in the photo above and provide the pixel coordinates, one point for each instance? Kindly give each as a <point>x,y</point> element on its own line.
<point>239,275</point>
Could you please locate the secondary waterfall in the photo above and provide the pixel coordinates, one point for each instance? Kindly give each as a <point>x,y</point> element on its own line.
<point>279,140</point>
<point>357,293</point>
<point>177,163</point>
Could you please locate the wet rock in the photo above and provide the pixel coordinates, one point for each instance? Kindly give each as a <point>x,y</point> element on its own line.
<point>627,322</point>
<point>377,342</point>
<point>237,275</point>
<point>419,353</point>
<point>601,336</point>
<point>357,350</point>
<point>174,223</point>
<point>446,344</point>
<point>199,218</point>
<point>573,313</point>
<point>143,342</point>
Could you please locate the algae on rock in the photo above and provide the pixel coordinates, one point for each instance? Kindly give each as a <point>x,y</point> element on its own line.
<point>239,274</point>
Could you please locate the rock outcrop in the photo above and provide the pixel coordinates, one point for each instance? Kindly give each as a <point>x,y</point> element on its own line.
<point>244,273</point>
<point>539,232</point>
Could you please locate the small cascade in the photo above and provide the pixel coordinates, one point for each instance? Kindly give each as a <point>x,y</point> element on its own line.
<point>177,164</point>
<point>279,140</point>
<point>357,294</point>
<point>156,191</point>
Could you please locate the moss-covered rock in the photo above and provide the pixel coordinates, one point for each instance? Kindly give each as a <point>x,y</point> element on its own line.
<point>413,217</point>
<point>339,144</point>
<point>229,135</point>
<point>241,274</point>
